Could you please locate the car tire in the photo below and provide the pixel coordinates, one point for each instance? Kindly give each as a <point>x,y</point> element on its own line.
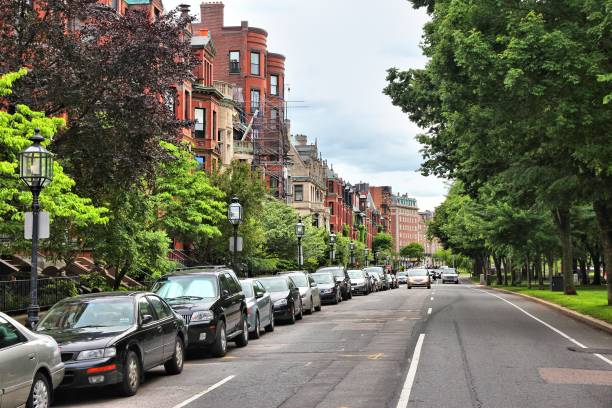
<point>292,317</point>
<point>270,326</point>
<point>409,287</point>
<point>336,301</point>
<point>312,307</point>
<point>301,314</point>
<point>318,308</point>
<point>456,283</point>
<point>242,340</point>
<point>40,393</point>
<point>255,334</point>
<point>350,295</point>
<point>174,366</point>
<point>219,348</point>
<point>428,286</point>
<point>131,375</point>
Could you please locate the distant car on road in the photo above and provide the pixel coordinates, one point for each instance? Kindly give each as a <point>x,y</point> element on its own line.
<point>329,288</point>
<point>393,280</point>
<point>383,283</point>
<point>212,304</point>
<point>285,297</point>
<point>375,280</point>
<point>112,338</point>
<point>360,283</point>
<point>342,278</point>
<point>30,366</point>
<point>402,277</point>
<point>309,291</point>
<point>418,277</point>
<point>450,275</point>
<point>260,311</point>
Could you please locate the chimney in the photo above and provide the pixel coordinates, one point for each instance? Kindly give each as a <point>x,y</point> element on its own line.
<point>301,140</point>
<point>184,9</point>
<point>212,15</point>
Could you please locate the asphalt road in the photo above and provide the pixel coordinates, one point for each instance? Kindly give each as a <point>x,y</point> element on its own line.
<point>388,349</point>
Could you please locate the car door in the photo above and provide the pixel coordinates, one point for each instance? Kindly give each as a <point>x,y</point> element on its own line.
<point>263,302</point>
<point>295,294</point>
<point>231,302</point>
<point>18,360</point>
<point>150,334</point>
<point>314,290</point>
<point>168,325</point>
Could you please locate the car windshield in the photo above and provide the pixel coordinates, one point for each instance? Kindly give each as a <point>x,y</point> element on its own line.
<point>187,287</point>
<point>275,284</point>
<point>449,273</point>
<point>338,272</point>
<point>300,280</point>
<point>247,288</point>
<point>89,313</point>
<point>403,273</point>
<point>323,278</point>
<point>418,272</point>
<point>355,274</point>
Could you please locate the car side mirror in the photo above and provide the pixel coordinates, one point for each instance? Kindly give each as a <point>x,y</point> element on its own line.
<point>313,285</point>
<point>259,295</point>
<point>146,319</point>
<point>225,293</point>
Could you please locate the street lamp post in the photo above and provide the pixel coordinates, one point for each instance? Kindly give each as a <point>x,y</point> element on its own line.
<point>36,171</point>
<point>367,252</point>
<point>352,251</point>
<point>332,247</point>
<point>376,257</point>
<point>234,215</point>
<point>300,231</point>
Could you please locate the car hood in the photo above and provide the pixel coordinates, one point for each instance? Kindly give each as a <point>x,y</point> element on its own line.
<point>338,279</point>
<point>86,339</point>
<point>326,285</point>
<point>193,306</point>
<point>358,281</point>
<point>279,295</point>
<point>303,291</point>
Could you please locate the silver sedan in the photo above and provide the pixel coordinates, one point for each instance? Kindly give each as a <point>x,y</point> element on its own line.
<point>309,291</point>
<point>30,366</point>
<point>260,310</point>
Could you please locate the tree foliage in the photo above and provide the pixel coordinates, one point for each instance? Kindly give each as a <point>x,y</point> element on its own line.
<point>413,250</point>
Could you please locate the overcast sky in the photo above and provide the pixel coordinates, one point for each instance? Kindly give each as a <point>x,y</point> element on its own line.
<point>337,53</point>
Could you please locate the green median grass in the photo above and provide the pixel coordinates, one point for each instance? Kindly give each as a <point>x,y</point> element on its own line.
<point>591,301</point>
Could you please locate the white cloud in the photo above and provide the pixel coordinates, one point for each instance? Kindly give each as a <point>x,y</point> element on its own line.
<point>337,53</point>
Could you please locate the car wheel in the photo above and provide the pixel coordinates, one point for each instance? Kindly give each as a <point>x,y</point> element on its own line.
<point>350,295</point>
<point>292,317</point>
<point>409,287</point>
<point>270,326</point>
<point>428,286</point>
<point>219,348</point>
<point>40,393</point>
<point>243,339</point>
<point>318,308</point>
<point>257,332</point>
<point>131,375</point>
<point>301,314</point>
<point>336,301</point>
<point>312,308</point>
<point>175,364</point>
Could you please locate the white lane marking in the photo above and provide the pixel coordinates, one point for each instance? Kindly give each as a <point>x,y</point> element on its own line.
<point>206,391</point>
<point>431,298</point>
<point>559,332</point>
<point>307,364</point>
<point>405,395</point>
<point>429,311</point>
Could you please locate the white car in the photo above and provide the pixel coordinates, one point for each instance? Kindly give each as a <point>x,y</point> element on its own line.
<point>30,366</point>
<point>309,291</point>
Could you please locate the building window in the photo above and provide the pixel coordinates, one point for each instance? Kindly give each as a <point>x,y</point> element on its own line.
<point>330,186</point>
<point>200,122</point>
<point>298,192</point>
<point>255,63</point>
<point>187,105</point>
<point>171,101</point>
<point>274,85</point>
<point>234,62</point>
<point>214,128</point>
<point>331,209</point>
<point>273,117</point>
<point>201,162</point>
<point>115,4</point>
<point>219,135</point>
<point>274,186</point>
<point>255,97</point>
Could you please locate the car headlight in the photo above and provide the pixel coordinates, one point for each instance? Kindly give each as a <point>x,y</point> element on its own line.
<point>326,290</point>
<point>202,316</point>
<point>97,353</point>
<point>280,302</point>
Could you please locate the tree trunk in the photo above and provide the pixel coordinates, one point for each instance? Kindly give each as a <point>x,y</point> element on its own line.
<point>498,273</point>
<point>539,270</point>
<point>562,220</point>
<point>505,271</point>
<point>120,274</point>
<point>603,211</point>
<point>584,273</point>
<point>596,269</point>
<point>551,265</point>
<point>527,267</point>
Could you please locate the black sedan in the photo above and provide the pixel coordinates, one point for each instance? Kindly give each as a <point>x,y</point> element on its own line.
<point>343,279</point>
<point>113,338</point>
<point>285,297</point>
<point>328,287</point>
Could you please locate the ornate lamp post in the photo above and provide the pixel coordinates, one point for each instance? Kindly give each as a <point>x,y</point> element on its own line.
<point>352,252</point>
<point>332,247</point>
<point>36,171</point>
<point>300,231</point>
<point>367,252</point>
<point>376,257</point>
<point>234,215</point>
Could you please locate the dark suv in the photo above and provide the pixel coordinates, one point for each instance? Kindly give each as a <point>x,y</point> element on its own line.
<point>211,302</point>
<point>341,276</point>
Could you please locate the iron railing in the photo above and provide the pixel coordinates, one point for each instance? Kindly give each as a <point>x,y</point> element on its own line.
<point>15,295</point>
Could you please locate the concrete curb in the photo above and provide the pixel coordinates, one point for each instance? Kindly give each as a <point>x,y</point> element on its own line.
<point>591,321</point>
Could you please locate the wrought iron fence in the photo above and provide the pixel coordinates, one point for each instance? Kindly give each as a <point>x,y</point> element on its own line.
<point>15,295</point>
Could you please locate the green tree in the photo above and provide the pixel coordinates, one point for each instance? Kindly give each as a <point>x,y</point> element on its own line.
<point>382,242</point>
<point>413,250</point>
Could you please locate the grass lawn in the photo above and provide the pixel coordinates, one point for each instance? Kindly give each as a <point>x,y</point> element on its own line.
<point>589,300</point>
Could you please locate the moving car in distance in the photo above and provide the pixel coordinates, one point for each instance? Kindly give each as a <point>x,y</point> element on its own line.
<point>260,311</point>
<point>402,277</point>
<point>328,286</point>
<point>30,366</point>
<point>112,338</point>
<point>418,277</point>
<point>212,304</point>
<point>285,298</point>
<point>382,279</point>
<point>309,291</point>
<point>342,278</point>
<point>450,275</point>
<point>359,281</point>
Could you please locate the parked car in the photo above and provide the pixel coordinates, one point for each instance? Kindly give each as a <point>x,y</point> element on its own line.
<point>212,304</point>
<point>309,291</point>
<point>328,286</point>
<point>418,277</point>
<point>285,297</point>
<point>375,280</point>
<point>112,338</point>
<point>342,278</point>
<point>359,282</point>
<point>402,277</point>
<point>450,275</point>
<point>30,366</point>
<point>393,280</point>
<point>378,270</point>
<point>260,310</point>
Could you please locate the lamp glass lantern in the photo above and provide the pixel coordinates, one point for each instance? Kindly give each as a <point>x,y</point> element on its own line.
<point>332,238</point>
<point>36,164</point>
<point>234,212</point>
<point>352,246</point>
<point>300,230</point>
<point>367,251</point>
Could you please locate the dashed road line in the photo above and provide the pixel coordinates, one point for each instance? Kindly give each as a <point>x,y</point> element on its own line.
<point>429,311</point>
<point>405,395</point>
<point>206,391</point>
